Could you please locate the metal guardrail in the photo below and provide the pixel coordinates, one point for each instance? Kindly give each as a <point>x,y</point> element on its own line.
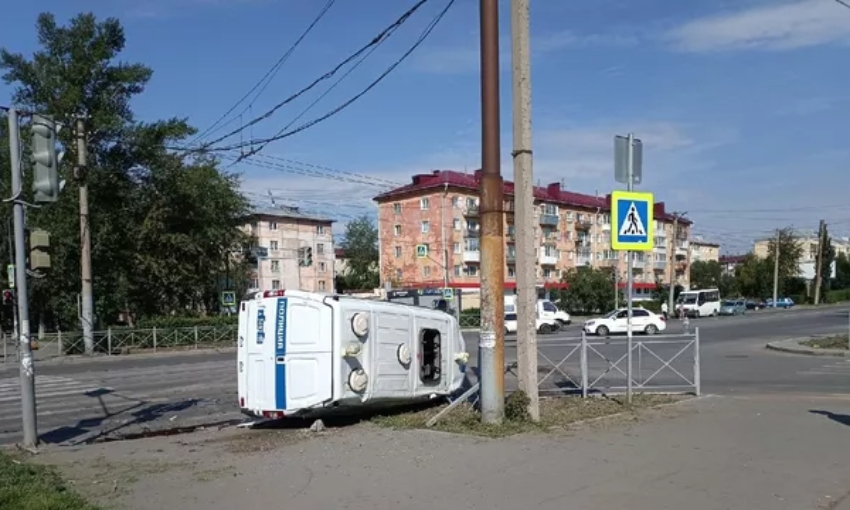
<point>124,341</point>
<point>667,363</point>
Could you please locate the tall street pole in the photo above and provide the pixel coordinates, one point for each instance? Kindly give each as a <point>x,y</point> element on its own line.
<point>776,269</point>
<point>27,370</point>
<point>630,278</point>
<point>87,315</point>
<point>524,206</point>
<point>492,341</point>
<point>819,262</point>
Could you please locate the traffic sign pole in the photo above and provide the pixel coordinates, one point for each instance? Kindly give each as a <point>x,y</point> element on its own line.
<point>630,279</point>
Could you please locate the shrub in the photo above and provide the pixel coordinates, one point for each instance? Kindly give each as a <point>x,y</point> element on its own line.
<point>187,322</point>
<point>837,296</point>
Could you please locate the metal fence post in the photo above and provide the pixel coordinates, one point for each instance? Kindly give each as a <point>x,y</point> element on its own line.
<point>697,373</point>
<point>59,341</point>
<point>109,341</point>
<point>154,339</point>
<point>196,337</point>
<point>5,354</point>
<point>583,361</point>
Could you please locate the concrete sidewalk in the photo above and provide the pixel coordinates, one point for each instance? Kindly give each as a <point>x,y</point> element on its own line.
<point>747,453</point>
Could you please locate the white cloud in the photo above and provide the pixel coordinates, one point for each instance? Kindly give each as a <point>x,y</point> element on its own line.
<point>776,26</point>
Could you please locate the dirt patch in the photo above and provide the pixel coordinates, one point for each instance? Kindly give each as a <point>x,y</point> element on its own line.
<point>555,415</point>
<point>827,342</point>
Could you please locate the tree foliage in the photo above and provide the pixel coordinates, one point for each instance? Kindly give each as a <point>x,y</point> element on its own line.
<point>162,226</point>
<point>826,257</point>
<point>842,271</point>
<point>706,274</point>
<point>361,255</point>
<point>589,290</point>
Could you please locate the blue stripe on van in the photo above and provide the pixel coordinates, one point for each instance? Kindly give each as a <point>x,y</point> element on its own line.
<point>280,354</point>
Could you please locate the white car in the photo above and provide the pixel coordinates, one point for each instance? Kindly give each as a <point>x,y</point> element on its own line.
<point>643,321</point>
<point>543,325</point>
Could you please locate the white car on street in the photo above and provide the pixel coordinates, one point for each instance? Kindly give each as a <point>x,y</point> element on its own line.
<point>615,322</point>
<point>543,325</point>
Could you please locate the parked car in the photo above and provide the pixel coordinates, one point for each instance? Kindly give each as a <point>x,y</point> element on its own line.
<point>544,326</point>
<point>643,321</point>
<point>733,307</point>
<point>780,303</point>
<point>755,304</point>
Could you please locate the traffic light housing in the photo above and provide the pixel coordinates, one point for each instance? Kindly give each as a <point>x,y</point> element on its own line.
<point>39,246</point>
<point>309,256</point>
<point>46,183</point>
<point>8,297</point>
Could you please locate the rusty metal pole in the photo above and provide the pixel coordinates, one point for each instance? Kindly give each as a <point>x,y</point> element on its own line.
<point>492,341</point>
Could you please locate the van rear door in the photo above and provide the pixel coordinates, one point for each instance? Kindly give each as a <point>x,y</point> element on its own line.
<point>302,343</point>
<point>258,364</point>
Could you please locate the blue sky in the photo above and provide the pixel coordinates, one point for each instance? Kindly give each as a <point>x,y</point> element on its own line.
<point>740,104</point>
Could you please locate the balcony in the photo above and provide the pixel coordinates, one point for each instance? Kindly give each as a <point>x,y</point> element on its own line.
<point>547,258</point>
<point>659,265</point>
<point>549,219</point>
<point>582,242</point>
<point>552,236</point>
<point>606,227</point>
<point>682,249</point>
<point>510,257</point>
<point>473,257</point>
<point>472,232</point>
<point>608,263</point>
<point>471,210</point>
<point>511,234</point>
<point>584,224</point>
<point>584,261</point>
<point>509,206</point>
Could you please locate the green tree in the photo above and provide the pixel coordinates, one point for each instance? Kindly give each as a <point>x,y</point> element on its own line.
<point>588,290</point>
<point>361,254</point>
<point>826,257</point>
<point>790,254</point>
<point>705,274</point>
<point>842,271</point>
<point>161,225</point>
<point>728,286</point>
<point>754,276</point>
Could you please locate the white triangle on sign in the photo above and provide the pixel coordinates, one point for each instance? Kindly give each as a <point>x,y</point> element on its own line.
<point>632,224</point>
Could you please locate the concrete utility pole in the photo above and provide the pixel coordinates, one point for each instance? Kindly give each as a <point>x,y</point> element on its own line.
<point>776,269</point>
<point>492,342</point>
<point>443,236</point>
<point>524,206</point>
<point>27,370</point>
<point>671,298</point>
<point>819,267</point>
<point>87,313</point>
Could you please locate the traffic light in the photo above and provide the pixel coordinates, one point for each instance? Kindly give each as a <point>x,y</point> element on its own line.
<point>39,246</point>
<point>46,183</point>
<point>8,297</point>
<point>309,257</point>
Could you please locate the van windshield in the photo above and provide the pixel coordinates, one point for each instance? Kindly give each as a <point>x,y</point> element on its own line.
<point>688,300</point>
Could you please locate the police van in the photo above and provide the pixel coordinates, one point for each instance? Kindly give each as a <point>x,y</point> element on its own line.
<point>305,354</point>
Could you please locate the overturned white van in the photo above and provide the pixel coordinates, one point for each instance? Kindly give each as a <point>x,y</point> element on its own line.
<point>307,354</point>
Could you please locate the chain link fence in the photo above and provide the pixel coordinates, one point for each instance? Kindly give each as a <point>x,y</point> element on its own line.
<point>120,341</point>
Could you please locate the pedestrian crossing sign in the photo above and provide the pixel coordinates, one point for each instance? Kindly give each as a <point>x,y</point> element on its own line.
<point>631,221</point>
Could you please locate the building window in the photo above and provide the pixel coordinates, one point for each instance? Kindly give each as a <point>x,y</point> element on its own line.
<point>320,230</point>
<point>273,246</point>
<point>321,285</point>
<point>255,283</point>
<point>322,267</point>
<point>275,284</point>
<point>456,202</point>
<point>457,270</point>
<point>549,209</point>
<point>398,252</point>
<point>398,274</point>
<point>320,249</point>
<point>397,230</point>
<point>456,224</point>
<point>426,271</point>
<point>511,272</point>
<point>397,208</point>
<point>424,204</point>
<point>425,227</point>
<point>470,270</point>
<point>273,225</point>
<point>457,247</point>
<point>275,264</point>
<point>547,273</point>
<point>569,216</point>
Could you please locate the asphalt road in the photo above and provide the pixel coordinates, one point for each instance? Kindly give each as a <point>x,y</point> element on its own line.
<point>85,400</point>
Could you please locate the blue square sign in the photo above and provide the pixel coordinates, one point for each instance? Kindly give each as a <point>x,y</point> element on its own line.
<point>631,221</point>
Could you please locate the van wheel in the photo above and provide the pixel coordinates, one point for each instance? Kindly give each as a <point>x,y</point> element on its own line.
<point>651,329</point>
<point>602,331</point>
<point>545,329</point>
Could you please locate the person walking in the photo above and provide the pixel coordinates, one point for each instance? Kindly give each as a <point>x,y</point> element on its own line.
<point>664,310</point>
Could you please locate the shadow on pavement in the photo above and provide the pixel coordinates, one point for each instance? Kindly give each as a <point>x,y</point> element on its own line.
<point>843,419</point>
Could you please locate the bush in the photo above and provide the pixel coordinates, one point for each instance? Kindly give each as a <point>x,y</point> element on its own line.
<point>187,322</point>
<point>652,306</point>
<point>837,296</point>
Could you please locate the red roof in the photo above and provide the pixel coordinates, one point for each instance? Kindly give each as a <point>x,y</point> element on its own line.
<point>552,193</point>
<point>733,259</point>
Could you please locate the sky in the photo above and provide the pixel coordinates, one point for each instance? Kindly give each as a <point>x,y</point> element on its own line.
<point>740,104</point>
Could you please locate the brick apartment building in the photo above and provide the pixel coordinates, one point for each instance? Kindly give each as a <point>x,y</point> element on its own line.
<point>702,250</point>
<point>440,211</point>
<point>286,232</point>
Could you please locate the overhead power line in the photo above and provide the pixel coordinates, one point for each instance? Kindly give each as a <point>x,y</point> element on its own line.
<point>385,33</point>
<point>268,77</point>
<point>285,134</point>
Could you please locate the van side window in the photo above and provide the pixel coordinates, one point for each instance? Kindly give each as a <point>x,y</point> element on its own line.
<point>430,356</point>
<point>549,307</point>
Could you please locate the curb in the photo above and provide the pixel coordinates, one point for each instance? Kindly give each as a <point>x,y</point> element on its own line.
<point>792,346</point>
